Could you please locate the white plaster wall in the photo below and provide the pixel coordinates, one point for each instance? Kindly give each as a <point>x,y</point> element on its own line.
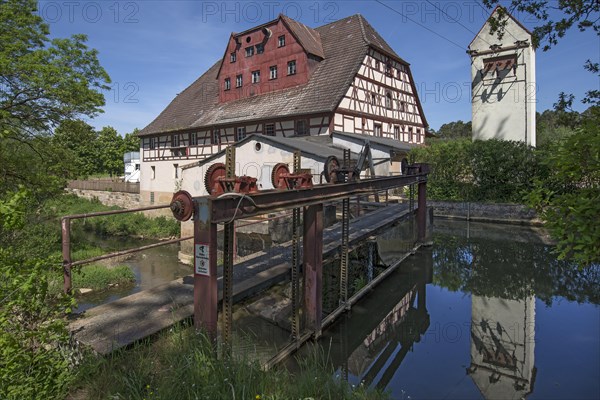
<point>504,108</point>
<point>251,161</point>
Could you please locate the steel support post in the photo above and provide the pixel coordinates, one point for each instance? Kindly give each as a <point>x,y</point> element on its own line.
<point>422,211</point>
<point>296,260</point>
<point>205,269</point>
<point>66,251</point>
<point>227,321</point>
<point>313,267</point>
<point>344,262</point>
<point>228,256</point>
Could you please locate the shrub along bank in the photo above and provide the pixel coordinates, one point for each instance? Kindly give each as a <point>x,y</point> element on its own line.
<point>560,180</point>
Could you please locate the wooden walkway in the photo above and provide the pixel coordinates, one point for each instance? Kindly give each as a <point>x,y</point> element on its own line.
<point>125,321</point>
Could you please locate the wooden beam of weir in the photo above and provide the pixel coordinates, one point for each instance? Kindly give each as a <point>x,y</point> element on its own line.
<point>205,284</point>
<point>313,267</point>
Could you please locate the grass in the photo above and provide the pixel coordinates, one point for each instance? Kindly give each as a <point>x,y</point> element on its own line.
<point>100,277</point>
<point>95,277</point>
<point>130,224</point>
<point>181,364</point>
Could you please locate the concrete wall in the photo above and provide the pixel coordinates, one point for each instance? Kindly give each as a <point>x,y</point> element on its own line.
<point>503,104</point>
<point>485,212</point>
<point>119,199</point>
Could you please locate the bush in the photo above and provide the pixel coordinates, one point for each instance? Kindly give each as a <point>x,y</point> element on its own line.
<point>492,170</point>
<point>34,360</point>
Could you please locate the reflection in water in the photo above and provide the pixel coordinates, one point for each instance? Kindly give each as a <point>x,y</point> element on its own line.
<point>489,280</point>
<point>502,346</point>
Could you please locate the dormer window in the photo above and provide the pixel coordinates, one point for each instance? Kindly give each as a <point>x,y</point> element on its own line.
<point>291,68</point>
<point>232,57</point>
<point>281,41</point>
<point>255,76</point>
<point>227,84</point>
<point>249,51</point>
<point>260,48</point>
<point>238,81</point>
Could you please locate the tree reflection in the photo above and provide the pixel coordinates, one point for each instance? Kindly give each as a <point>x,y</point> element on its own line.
<point>515,270</point>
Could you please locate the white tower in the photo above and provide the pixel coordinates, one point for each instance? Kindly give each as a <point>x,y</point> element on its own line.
<point>503,82</point>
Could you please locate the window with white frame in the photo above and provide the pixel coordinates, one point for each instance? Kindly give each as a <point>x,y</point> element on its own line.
<point>256,76</point>
<point>174,140</point>
<point>232,57</point>
<point>152,143</point>
<point>291,67</point>
<point>273,72</point>
<point>238,81</point>
<point>396,132</point>
<point>227,83</point>
<point>281,41</point>
<point>240,133</point>
<point>249,51</point>
<point>377,130</point>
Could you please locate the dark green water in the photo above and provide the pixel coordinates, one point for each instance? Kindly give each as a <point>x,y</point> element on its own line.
<point>486,312</point>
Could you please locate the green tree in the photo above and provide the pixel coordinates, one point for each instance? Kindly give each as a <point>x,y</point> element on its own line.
<point>111,153</point>
<point>80,139</point>
<point>131,141</point>
<point>568,196</point>
<point>455,130</point>
<point>43,82</point>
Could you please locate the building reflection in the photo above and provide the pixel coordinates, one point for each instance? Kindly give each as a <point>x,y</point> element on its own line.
<point>371,342</point>
<point>502,346</point>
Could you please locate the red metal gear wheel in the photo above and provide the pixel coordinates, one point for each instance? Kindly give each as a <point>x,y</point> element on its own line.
<point>182,205</point>
<point>331,164</point>
<point>278,170</point>
<point>212,173</point>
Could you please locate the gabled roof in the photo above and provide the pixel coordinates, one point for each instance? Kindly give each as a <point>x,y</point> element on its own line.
<point>493,15</point>
<point>345,44</point>
<point>308,38</point>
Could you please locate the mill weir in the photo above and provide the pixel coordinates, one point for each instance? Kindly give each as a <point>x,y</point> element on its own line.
<point>297,262</point>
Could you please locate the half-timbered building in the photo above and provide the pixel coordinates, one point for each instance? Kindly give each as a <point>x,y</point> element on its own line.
<point>284,79</point>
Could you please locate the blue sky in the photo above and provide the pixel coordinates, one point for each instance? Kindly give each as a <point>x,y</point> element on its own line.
<point>154,49</point>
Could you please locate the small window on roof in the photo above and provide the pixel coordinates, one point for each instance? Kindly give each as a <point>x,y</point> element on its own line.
<point>249,51</point>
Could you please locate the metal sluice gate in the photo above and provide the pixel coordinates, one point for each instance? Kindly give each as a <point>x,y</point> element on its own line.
<point>232,198</point>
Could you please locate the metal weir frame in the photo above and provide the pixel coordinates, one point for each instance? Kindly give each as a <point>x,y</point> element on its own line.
<point>209,211</point>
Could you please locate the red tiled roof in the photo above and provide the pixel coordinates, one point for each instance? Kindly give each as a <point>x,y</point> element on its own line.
<point>344,43</point>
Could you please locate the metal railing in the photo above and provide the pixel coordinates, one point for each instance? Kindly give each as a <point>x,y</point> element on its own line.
<point>68,263</point>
